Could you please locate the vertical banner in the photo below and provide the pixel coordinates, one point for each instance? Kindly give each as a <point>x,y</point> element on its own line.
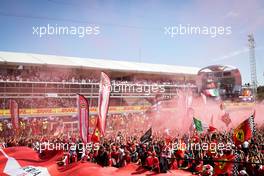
<point>14,113</point>
<point>103,101</point>
<point>83,116</point>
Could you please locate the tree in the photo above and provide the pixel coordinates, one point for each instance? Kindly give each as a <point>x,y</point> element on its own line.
<point>260,93</point>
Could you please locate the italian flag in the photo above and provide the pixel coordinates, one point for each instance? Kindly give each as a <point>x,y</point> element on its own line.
<point>200,126</point>
<point>212,92</point>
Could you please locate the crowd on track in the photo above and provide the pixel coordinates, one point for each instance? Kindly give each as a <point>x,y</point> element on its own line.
<point>157,152</point>
<point>42,125</point>
<point>129,138</point>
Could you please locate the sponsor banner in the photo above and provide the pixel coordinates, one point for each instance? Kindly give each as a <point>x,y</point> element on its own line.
<point>38,112</point>
<point>240,104</point>
<point>233,106</point>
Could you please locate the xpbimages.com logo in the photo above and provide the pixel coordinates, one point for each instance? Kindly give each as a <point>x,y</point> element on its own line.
<point>212,31</point>
<point>174,147</point>
<point>65,146</point>
<point>57,30</point>
<point>135,88</point>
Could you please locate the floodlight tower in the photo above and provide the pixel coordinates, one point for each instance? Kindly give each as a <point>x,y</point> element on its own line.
<point>252,60</point>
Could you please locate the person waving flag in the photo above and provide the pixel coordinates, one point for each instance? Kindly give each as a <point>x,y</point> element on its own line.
<point>244,131</point>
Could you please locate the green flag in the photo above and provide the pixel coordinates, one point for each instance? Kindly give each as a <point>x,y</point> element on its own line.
<point>198,124</point>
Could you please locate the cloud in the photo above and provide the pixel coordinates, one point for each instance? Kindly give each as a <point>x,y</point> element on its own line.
<point>231,14</point>
<point>230,55</point>
<point>234,53</point>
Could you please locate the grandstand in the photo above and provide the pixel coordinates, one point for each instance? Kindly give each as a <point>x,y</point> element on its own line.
<point>46,85</point>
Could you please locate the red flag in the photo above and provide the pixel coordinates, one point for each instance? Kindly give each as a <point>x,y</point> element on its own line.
<point>226,118</point>
<point>96,134</point>
<point>244,131</point>
<point>83,113</point>
<point>212,129</point>
<point>14,113</point>
<point>25,161</point>
<point>224,167</point>
<point>103,100</point>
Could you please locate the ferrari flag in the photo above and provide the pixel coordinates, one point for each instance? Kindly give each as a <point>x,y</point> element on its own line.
<point>14,113</point>
<point>83,114</point>
<point>96,134</point>
<point>103,101</point>
<point>225,166</point>
<point>244,131</point>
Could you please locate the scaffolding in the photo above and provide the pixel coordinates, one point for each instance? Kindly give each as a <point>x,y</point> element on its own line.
<point>252,61</point>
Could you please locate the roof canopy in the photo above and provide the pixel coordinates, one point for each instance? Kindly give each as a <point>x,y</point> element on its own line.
<point>217,68</point>
<point>39,59</point>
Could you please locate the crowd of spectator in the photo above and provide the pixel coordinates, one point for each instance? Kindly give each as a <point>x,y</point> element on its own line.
<point>123,145</point>
<point>39,74</point>
<point>31,103</point>
<point>40,103</point>
<point>44,74</point>
<point>40,126</point>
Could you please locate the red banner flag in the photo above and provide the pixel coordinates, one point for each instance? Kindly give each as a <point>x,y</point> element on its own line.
<point>83,114</point>
<point>14,113</point>
<point>25,161</point>
<point>103,101</point>
<point>226,118</point>
<point>96,134</point>
<point>226,166</point>
<point>244,131</point>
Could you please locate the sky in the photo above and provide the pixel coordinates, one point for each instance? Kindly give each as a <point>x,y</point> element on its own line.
<point>135,30</point>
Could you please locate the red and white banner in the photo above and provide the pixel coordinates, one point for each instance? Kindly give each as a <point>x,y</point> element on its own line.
<point>14,113</point>
<point>83,114</point>
<point>103,101</point>
<point>24,161</point>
